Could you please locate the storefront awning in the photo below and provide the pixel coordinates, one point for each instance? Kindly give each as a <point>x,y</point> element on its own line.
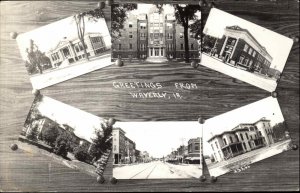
<point>195,158</point>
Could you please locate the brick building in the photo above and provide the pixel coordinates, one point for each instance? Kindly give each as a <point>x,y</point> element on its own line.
<point>239,47</point>
<point>194,148</point>
<point>153,35</point>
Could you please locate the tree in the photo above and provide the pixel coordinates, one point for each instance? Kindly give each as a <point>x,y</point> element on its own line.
<point>81,153</point>
<point>50,135</point>
<point>118,17</point>
<point>102,141</point>
<point>35,59</point>
<point>33,134</point>
<point>62,144</point>
<point>184,14</point>
<point>80,24</point>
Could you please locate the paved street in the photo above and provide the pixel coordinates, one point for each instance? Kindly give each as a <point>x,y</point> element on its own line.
<point>156,170</point>
<point>252,78</point>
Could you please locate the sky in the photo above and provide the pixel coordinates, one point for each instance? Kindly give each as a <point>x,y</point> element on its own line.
<point>84,123</point>
<point>268,108</point>
<point>168,9</point>
<point>158,138</point>
<point>48,36</point>
<point>277,45</point>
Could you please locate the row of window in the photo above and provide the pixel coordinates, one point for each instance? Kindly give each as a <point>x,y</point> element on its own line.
<point>249,50</point>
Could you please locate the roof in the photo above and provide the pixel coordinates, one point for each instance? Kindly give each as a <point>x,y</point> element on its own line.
<point>235,129</point>
<point>66,40</point>
<point>238,28</point>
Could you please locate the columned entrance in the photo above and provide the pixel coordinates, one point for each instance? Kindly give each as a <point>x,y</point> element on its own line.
<point>157,52</point>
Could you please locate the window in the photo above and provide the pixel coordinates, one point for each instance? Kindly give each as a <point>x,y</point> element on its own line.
<point>241,59</point>
<point>170,36</point>
<point>192,46</point>
<point>241,135</point>
<point>246,61</point>
<point>247,136</point>
<point>120,46</point>
<point>237,138</point>
<point>231,140</point>
<point>250,51</point>
<point>197,146</point>
<point>181,46</point>
<point>212,147</point>
<point>250,63</point>
<point>246,48</point>
<point>143,25</point>
<point>254,54</point>
<point>130,35</point>
<point>249,144</point>
<point>181,35</point>
<point>217,145</point>
<point>225,142</point>
<point>130,46</point>
<point>130,24</point>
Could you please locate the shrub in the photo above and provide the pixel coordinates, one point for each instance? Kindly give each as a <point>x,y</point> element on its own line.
<point>50,135</point>
<point>81,154</point>
<point>62,145</point>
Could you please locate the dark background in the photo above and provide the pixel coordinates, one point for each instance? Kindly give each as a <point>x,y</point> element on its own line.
<point>94,93</point>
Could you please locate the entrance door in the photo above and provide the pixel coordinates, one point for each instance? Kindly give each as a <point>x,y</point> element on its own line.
<point>156,51</point>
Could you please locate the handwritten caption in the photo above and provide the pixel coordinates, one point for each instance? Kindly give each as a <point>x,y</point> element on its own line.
<point>140,90</point>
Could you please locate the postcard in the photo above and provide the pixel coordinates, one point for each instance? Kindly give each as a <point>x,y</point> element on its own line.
<point>65,49</point>
<point>156,33</point>
<point>244,50</point>
<point>157,150</point>
<point>246,135</point>
<point>68,135</point>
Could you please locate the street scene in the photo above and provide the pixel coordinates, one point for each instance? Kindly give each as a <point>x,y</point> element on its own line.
<point>242,140</point>
<point>80,44</point>
<point>244,50</point>
<point>137,156</point>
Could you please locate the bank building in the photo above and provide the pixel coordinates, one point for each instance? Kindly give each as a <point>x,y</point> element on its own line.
<point>153,36</point>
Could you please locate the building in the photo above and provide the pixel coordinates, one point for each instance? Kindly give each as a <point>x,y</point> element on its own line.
<point>238,47</point>
<point>194,151</point>
<point>153,35</point>
<point>130,151</point>
<point>70,51</point>
<point>123,147</point>
<point>241,139</point>
<point>45,123</point>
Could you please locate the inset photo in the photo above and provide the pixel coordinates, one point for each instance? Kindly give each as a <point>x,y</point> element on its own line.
<point>68,135</point>
<point>156,33</point>
<point>66,49</point>
<point>157,150</point>
<point>244,50</point>
<point>238,138</point>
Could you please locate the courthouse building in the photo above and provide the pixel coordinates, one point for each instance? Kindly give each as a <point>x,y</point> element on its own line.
<point>239,47</point>
<point>153,35</point>
<point>241,139</point>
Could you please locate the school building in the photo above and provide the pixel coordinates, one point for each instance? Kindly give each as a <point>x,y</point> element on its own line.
<point>70,51</point>
<point>153,35</point>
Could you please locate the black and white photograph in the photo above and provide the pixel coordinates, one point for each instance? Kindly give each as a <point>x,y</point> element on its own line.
<point>244,50</point>
<point>157,150</point>
<point>66,49</point>
<point>156,33</point>
<point>75,138</point>
<point>238,138</point>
